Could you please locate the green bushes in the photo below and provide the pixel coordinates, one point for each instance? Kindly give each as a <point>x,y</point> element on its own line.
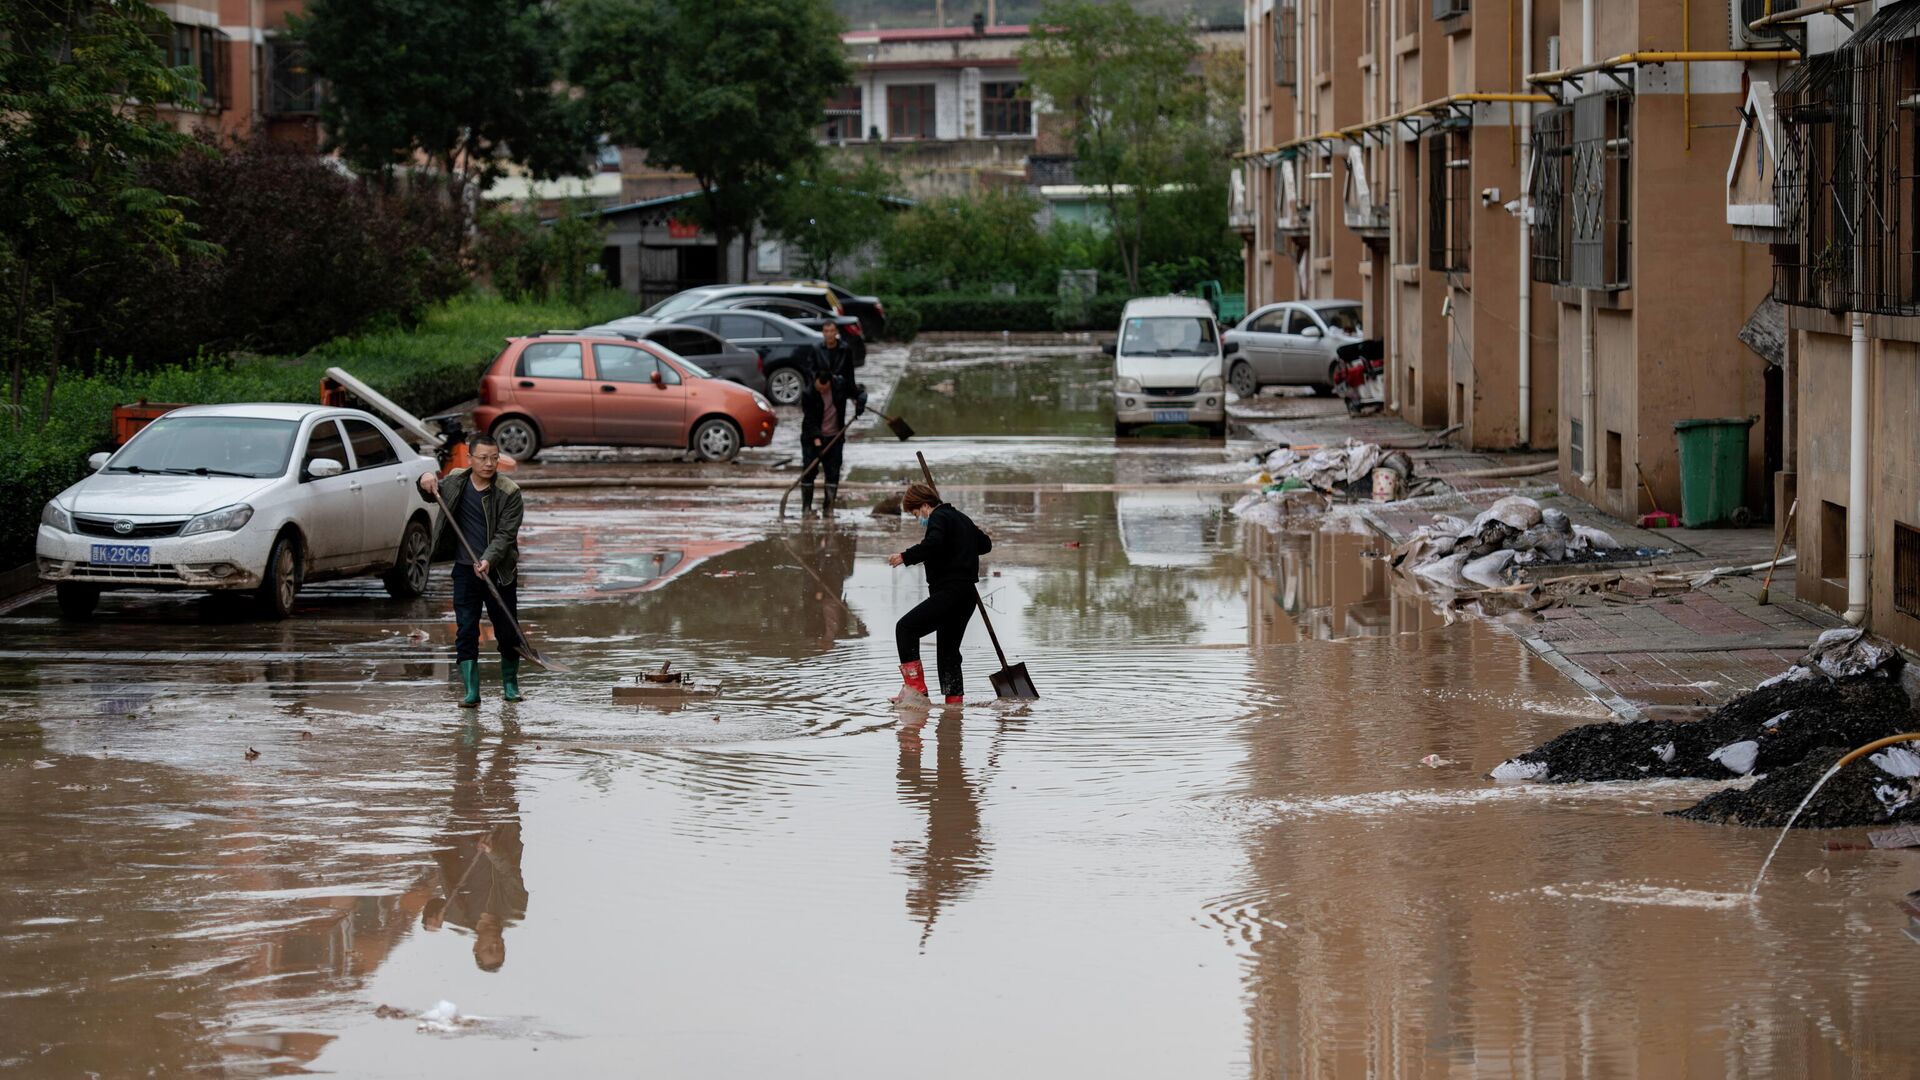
<point>424,370</point>
<point>990,314</point>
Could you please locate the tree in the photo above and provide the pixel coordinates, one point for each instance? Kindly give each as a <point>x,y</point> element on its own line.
<point>971,242</point>
<point>80,85</point>
<point>467,86</point>
<point>731,91</point>
<point>831,213</point>
<point>1134,106</point>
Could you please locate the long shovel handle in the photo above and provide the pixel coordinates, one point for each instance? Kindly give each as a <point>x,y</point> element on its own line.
<point>808,471</point>
<point>977,602</point>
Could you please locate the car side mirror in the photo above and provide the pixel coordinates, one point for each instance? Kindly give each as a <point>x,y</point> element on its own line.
<point>322,467</point>
<point>1310,332</point>
<point>657,380</point>
<point>1231,348</point>
<point>1111,348</point>
<point>98,461</point>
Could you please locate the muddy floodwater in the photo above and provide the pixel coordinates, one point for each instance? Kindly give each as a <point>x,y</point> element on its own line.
<point>1210,850</point>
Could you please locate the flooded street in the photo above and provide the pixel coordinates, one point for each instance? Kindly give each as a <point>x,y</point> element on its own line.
<point>232,847</point>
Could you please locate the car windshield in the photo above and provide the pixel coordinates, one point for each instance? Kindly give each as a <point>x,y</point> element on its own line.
<point>1344,319</point>
<point>1177,335</point>
<point>685,301</point>
<point>690,367</point>
<point>209,445</point>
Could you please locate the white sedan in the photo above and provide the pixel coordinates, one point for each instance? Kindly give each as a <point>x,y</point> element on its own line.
<point>259,498</point>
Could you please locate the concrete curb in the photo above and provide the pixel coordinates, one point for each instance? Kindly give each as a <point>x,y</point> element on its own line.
<point>1582,678</point>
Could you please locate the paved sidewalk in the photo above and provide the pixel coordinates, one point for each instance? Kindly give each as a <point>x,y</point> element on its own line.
<point>1645,655</point>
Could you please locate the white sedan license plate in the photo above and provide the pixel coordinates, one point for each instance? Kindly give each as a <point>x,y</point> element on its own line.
<point>121,555</point>
<point>1169,416</point>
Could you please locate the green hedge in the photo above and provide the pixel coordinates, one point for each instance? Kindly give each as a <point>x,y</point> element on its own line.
<point>424,371</point>
<point>990,314</point>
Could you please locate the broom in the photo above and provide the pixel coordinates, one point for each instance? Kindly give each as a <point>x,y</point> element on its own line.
<point>1785,528</point>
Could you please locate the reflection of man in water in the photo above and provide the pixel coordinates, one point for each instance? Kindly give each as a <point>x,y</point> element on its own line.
<point>480,886</point>
<point>828,556</point>
<point>954,856</point>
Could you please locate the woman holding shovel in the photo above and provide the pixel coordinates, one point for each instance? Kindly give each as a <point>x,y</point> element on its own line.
<point>951,553</point>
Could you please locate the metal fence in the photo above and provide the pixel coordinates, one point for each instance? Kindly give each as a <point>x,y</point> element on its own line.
<point>1847,184</point>
<point>1600,195</point>
<point>1449,198</point>
<point>1551,166</point>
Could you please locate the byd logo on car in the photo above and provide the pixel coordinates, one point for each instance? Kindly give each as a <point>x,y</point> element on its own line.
<point>124,526</point>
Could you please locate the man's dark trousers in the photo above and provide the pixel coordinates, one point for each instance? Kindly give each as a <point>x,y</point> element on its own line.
<point>469,593</point>
<point>829,458</point>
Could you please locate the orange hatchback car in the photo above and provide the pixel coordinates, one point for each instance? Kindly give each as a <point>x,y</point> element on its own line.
<point>593,390</point>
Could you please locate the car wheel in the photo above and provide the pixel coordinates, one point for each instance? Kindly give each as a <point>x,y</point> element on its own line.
<point>77,599</point>
<point>716,440</point>
<point>1336,374</point>
<point>1242,380</point>
<point>281,583</point>
<point>518,438</point>
<point>784,385</point>
<point>408,578</point>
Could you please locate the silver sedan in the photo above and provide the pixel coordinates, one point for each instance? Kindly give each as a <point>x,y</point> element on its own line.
<point>1290,344</point>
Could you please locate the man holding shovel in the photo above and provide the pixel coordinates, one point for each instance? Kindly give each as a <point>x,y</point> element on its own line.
<point>823,428</point>
<point>486,508</point>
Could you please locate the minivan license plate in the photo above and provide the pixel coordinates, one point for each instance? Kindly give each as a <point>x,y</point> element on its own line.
<point>1169,416</point>
<point>121,555</point>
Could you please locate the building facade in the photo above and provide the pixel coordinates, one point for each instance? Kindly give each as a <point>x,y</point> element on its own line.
<point>1825,173</point>
<point>253,74</point>
<point>1386,147</point>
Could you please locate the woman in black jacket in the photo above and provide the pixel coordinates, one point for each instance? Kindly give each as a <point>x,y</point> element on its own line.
<point>951,553</point>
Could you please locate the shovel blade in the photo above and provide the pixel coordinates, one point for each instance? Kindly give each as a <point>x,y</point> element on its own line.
<point>528,652</point>
<point>1014,683</point>
<point>900,428</point>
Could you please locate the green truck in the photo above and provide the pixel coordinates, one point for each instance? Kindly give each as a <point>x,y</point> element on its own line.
<point>1228,308</point>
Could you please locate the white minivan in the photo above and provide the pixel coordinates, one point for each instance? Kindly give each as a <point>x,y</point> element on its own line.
<point>1167,366</point>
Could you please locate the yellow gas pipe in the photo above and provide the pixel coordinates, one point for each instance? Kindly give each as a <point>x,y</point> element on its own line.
<point>1856,755</point>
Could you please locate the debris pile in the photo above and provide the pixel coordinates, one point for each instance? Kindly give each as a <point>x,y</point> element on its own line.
<point>1844,693</point>
<point>1880,789</point>
<point>1512,533</point>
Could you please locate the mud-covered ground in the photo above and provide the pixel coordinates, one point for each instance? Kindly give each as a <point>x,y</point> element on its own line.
<point>1244,833</point>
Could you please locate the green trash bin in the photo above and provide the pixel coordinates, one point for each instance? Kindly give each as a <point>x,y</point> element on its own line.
<point>1713,470</point>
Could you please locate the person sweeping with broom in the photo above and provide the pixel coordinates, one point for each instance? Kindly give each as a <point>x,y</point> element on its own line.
<point>951,554</point>
<point>486,509</point>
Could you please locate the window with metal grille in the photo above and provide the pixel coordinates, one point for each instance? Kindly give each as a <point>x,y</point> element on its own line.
<point>1848,181</point>
<point>291,89</point>
<point>910,111</point>
<point>1286,28</point>
<point>843,115</point>
<point>1906,569</point>
<point>1550,164</point>
<point>1600,202</point>
<point>1449,198</point>
<point>1448,9</point>
<point>1003,111</point>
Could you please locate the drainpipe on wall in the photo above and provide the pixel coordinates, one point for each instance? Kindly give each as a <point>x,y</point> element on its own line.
<point>1586,300</point>
<point>1526,238</point>
<point>1586,387</point>
<point>1857,480</point>
<point>1393,333</point>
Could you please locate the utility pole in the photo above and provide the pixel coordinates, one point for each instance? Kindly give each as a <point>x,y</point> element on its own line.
<point>939,12</point>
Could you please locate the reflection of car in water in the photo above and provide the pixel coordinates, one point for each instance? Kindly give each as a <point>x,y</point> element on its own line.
<point>1168,528</point>
<point>645,571</point>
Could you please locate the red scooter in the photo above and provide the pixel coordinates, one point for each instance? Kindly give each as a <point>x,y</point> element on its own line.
<point>1362,376</point>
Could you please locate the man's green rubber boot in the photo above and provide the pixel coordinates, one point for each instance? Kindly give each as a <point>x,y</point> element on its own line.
<point>470,678</point>
<point>510,678</point>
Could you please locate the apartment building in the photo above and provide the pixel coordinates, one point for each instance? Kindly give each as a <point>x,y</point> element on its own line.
<point>1825,173</point>
<point>1656,309</point>
<point>253,75</point>
<point>1386,148</point>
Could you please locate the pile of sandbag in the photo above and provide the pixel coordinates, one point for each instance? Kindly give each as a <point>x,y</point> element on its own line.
<point>1484,552</point>
<point>1333,468</point>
